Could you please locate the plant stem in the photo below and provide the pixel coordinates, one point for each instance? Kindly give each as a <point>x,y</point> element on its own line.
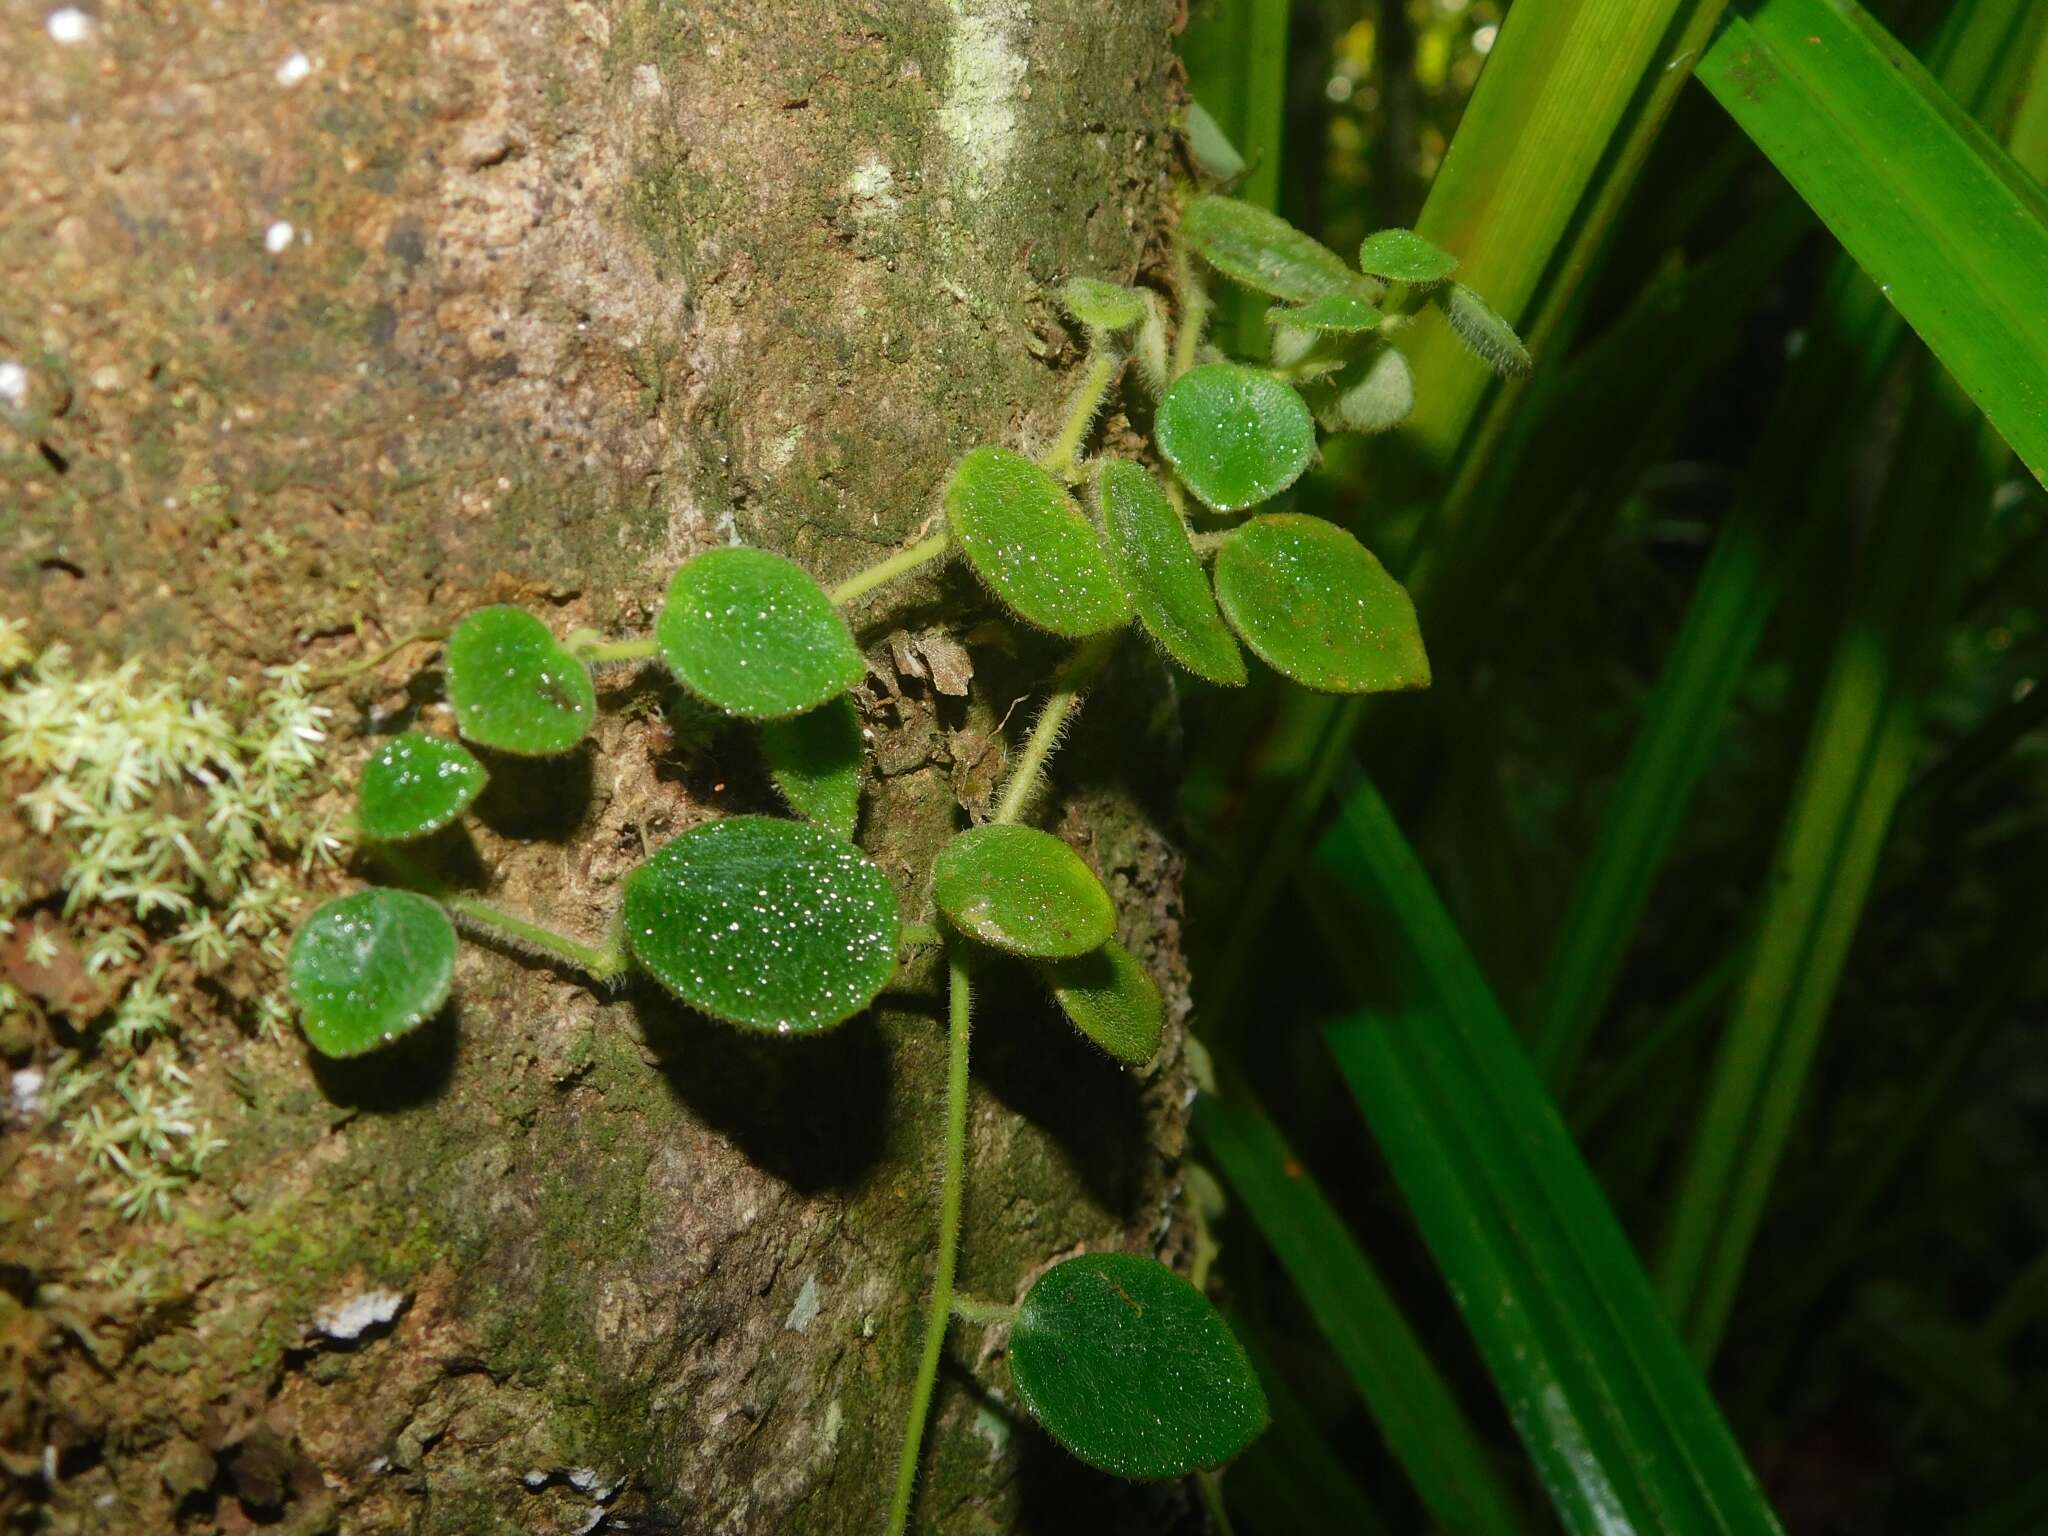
<point>1064,457</point>
<point>334,675</point>
<point>598,652</point>
<point>955,1176</point>
<point>918,935</point>
<point>600,965</point>
<point>909,559</point>
<point>1210,1481</point>
<point>1072,679</point>
<point>1194,312</point>
<point>972,1309</point>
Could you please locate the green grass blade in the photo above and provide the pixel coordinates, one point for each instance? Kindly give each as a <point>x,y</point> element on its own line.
<point>1600,1388</point>
<point>1424,1427</point>
<point>1288,1480</point>
<point>1940,217</point>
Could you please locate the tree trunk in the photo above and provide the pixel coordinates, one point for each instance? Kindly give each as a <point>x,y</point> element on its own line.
<point>337,321</point>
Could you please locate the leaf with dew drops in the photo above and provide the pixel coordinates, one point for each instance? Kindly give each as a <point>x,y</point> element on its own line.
<point>1335,314</point>
<point>1149,546</point>
<point>815,760</point>
<point>367,968</point>
<point>514,688</point>
<point>1132,1370</point>
<point>752,633</point>
<point>1103,306</point>
<point>773,925</point>
<point>1262,251</point>
<point>1111,1000</point>
<point>1490,337</point>
<point>1024,891</point>
<point>1027,540</point>
<point>1316,607</point>
<point>1405,257</point>
<point>1235,436</point>
<point>415,784</point>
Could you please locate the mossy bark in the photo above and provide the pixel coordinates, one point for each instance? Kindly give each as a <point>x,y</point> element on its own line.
<point>524,301</point>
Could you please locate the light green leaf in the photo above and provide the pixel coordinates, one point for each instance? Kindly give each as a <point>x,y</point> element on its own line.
<point>1264,252</point>
<point>1405,257</point>
<point>815,761</point>
<point>1213,153</point>
<point>368,968</point>
<point>1132,1370</point>
<point>515,689</point>
<point>1372,395</point>
<point>1111,1000</point>
<point>1149,546</point>
<point>1024,891</point>
<point>1025,537</point>
<point>774,925</point>
<point>1104,306</point>
<point>752,633</point>
<point>415,784</point>
<point>1342,314</point>
<point>1318,608</point>
<point>1492,340</point>
<point>1235,436</point>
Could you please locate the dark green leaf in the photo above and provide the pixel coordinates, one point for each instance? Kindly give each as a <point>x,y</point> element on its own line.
<point>1264,252</point>
<point>752,633</point>
<point>415,784</point>
<point>1492,340</point>
<point>1148,545</point>
<point>1111,1000</point>
<point>1025,537</point>
<point>815,761</point>
<point>1235,436</point>
<point>1024,891</point>
<point>775,925</point>
<point>1104,306</point>
<point>514,688</point>
<point>1318,608</point>
<point>1131,1369</point>
<point>1405,257</point>
<point>368,968</point>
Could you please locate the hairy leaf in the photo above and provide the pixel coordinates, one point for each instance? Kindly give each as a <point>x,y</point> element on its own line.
<point>1022,890</point>
<point>514,688</point>
<point>368,968</point>
<point>1492,340</point>
<point>416,784</point>
<point>815,761</point>
<point>1105,306</point>
<point>752,633</point>
<point>1111,1000</point>
<point>1025,537</point>
<point>1405,257</point>
<point>1148,545</point>
<point>1264,252</point>
<point>1235,436</point>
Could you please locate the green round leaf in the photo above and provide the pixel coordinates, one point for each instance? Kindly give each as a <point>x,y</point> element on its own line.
<point>1236,437</point>
<point>1105,306</point>
<point>1263,251</point>
<point>775,925</point>
<point>367,968</point>
<point>1022,890</point>
<point>1148,545</point>
<point>1111,1000</point>
<point>1340,314</point>
<point>1372,395</point>
<point>1490,337</point>
<point>815,762</point>
<point>1404,256</point>
<point>414,785</point>
<point>752,633</point>
<point>514,688</point>
<point>1132,1370</point>
<point>1025,537</point>
<point>1318,608</point>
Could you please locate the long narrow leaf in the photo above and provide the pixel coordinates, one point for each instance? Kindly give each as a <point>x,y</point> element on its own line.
<point>1614,1413</point>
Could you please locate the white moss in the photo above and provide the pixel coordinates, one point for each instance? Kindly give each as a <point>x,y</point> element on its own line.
<point>984,83</point>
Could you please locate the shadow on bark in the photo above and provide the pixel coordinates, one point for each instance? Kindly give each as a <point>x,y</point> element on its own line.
<point>536,797</point>
<point>402,1075</point>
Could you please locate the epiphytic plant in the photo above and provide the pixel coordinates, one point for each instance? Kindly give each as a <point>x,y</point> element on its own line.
<point>787,927</point>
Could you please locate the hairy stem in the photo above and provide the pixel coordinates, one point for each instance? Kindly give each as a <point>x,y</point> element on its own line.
<point>1064,457</point>
<point>909,559</point>
<point>597,652</point>
<point>600,965</point>
<point>1194,312</point>
<point>972,1309</point>
<point>350,669</point>
<point>1071,682</point>
<point>1211,1483</point>
<point>918,935</point>
<point>955,1176</point>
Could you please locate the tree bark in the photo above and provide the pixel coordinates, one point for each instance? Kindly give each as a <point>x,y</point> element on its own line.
<point>527,301</point>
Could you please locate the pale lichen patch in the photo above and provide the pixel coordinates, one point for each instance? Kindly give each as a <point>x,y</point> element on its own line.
<point>984,83</point>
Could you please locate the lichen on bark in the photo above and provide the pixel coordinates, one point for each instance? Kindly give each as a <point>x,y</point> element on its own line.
<point>570,292</point>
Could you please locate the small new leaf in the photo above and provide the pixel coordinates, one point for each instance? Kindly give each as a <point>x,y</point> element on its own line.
<point>1342,314</point>
<point>1132,1370</point>
<point>1021,890</point>
<point>1372,395</point>
<point>814,760</point>
<point>1214,155</point>
<point>1264,252</point>
<point>1490,337</point>
<point>1156,562</point>
<point>1103,306</point>
<point>415,784</point>
<point>1316,607</point>
<point>774,925</point>
<point>1235,436</point>
<point>1111,1000</point>
<point>515,689</point>
<point>1027,540</point>
<point>1405,257</point>
<point>752,633</point>
<point>368,968</point>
